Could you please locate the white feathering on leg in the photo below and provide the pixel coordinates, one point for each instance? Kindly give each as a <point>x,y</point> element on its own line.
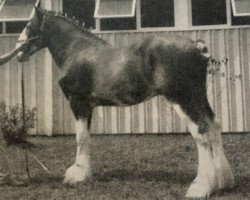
<point>81,169</point>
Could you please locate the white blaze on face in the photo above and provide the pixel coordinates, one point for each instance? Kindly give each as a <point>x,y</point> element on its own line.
<point>22,38</point>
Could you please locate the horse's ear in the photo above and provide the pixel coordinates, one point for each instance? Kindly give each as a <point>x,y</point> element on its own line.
<point>38,8</point>
<point>39,11</point>
<point>37,4</point>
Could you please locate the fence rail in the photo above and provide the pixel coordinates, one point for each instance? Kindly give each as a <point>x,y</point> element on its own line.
<point>228,88</point>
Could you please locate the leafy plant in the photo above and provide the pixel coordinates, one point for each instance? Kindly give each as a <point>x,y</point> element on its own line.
<point>14,124</point>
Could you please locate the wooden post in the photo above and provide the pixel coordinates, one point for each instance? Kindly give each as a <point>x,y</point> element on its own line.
<point>47,89</point>
<point>55,5</point>
<point>23,99</point>
<point>183,20</point>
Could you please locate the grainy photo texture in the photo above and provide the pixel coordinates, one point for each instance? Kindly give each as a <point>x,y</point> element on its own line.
<point>124,99</point>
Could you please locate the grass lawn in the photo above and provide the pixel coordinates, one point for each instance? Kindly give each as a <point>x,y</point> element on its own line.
<point>126,167</point>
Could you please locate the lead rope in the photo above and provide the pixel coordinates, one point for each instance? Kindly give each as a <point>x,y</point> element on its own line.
<point>30,39</point>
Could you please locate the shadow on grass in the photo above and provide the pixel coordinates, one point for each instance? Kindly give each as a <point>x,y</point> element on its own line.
<point>242,184</point>
<point>158,176</point>
<point>54,181</point>
<point>41,178</point>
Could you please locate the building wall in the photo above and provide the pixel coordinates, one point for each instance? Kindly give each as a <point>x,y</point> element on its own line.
<point>228,88</point>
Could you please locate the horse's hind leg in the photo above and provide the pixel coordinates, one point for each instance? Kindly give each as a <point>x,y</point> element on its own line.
<point>214,172</point>
<point>81,169</point>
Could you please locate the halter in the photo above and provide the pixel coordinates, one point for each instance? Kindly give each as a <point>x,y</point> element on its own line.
<point>43,22</point>
<point>30,39</point>
<point>37,37</point>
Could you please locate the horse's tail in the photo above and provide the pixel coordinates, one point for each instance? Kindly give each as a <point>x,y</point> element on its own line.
<point>200,44</point>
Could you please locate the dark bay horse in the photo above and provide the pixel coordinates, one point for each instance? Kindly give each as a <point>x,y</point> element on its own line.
<point>97,74</point>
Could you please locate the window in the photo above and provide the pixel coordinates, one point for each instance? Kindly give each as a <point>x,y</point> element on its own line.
<point>115,8</point>
<point>241,7</point>
<point>116,14</point>
<point>118,24</point>
<point>240,20</point>
<point>15,27</point>
<point>82,10</point>
<point>16,10</point>
<point>121,15</point>
<point>208,12</point>
<point>145,14</point>
<point>240,12</point>
<point>14,15</point>
<point>157,13</point>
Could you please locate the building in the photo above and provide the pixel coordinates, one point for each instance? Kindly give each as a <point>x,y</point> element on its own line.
<point>223,24</point>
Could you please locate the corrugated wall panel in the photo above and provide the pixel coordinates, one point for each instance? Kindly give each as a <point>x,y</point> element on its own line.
<point>10,82</point>
<point>30,86</point>
<point>40,92</point>
<point>228,88</point>
<point>246,74</point>
<point>223,114</point>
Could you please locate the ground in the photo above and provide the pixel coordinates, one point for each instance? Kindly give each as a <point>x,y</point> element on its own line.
<point>134,167</point>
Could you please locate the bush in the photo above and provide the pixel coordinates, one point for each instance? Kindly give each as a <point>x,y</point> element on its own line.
<point>14,125</point>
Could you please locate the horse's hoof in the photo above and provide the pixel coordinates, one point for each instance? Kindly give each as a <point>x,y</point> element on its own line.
<point>75,174</point>
<point>200,189</point>
<point>196,191</point>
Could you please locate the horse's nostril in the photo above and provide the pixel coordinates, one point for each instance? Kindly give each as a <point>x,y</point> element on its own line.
<point>22,57</point>
<point>20,54</point>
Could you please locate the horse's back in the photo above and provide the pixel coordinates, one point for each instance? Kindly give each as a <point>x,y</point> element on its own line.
<point>129,75</point>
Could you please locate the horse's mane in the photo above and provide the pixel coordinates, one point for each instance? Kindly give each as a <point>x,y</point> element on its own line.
<point>73,21</point>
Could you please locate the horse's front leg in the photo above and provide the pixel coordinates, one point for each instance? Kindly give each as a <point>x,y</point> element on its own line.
<point>81,169</point>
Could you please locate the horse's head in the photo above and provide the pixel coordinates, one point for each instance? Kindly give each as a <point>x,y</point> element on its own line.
<point>32,35</point>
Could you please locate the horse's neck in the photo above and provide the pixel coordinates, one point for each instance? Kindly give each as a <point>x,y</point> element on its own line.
<point>63,43</point>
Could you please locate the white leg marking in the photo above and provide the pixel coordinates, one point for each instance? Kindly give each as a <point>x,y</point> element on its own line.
<point>81,169</point>
<point>223,169</point>
<point>205,182</point>
<point>214,171</point>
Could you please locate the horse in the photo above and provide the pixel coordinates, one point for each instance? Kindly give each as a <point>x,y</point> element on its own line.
<point>96,73</point>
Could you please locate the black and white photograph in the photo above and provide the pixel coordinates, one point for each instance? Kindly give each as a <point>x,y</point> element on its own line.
<point>124,99</point>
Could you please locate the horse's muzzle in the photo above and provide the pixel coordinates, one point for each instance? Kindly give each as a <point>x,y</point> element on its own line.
<point>22,57</point>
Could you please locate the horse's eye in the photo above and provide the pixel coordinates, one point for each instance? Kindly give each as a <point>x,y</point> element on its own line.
<point>30,31</point>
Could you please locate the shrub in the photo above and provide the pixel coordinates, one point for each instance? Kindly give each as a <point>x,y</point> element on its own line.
<point>14,124</point>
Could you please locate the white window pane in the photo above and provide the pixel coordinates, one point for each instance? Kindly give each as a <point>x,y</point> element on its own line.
<point>241,7</point>
<point>16,9</point>
<point>115,8</point>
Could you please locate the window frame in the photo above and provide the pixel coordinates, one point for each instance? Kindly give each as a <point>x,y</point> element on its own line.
<point>179,5</point>
<point>228,25</point>
<point>138,22</point>
<point>98,16</point>
<point>4,21</point>
<point>208,25</point>
<point>235,11</point>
